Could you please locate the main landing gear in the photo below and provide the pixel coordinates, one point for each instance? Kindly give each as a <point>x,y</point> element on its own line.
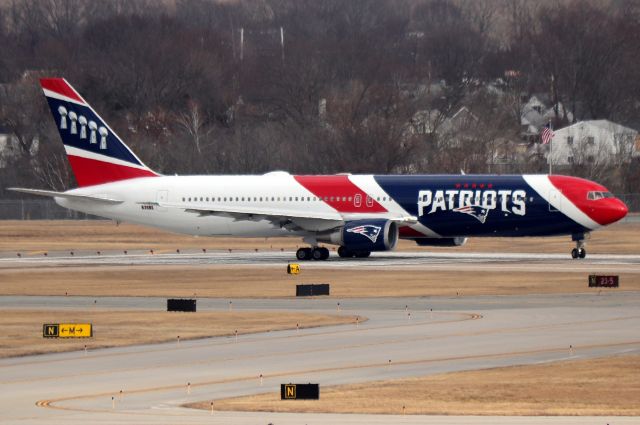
<point>579,251</point>
<point>317,253</point>
<point>345,253</point>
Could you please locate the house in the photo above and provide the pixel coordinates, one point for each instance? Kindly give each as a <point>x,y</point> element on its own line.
<point>536,114</point>
<point>595,141</point>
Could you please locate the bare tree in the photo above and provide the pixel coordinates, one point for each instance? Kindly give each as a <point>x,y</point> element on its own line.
<point>194,126</point>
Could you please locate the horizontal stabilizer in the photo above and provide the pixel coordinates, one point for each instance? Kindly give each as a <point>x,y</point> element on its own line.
<point>65,195</point>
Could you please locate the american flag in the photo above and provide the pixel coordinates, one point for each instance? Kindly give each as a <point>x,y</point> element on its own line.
<point>546,134</point>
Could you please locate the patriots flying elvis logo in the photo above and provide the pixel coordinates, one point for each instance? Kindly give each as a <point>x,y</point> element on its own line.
<point>475,211</point>
<point>368,230</point>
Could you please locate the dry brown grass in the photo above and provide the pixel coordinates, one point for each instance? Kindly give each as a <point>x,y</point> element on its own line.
<point>22,329</point>
<point>608,386</point>
<point>237,282</point>
<point>26,236</point>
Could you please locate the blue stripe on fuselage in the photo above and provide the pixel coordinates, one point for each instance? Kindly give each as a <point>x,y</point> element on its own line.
<point>477,205</point>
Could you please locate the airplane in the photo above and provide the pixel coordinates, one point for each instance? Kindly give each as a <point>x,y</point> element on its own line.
<point>358,213</point>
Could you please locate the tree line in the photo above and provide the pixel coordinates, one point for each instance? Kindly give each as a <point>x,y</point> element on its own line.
<point>307,86</point>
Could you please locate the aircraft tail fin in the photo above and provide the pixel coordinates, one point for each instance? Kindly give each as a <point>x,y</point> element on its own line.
<point>96,154</point>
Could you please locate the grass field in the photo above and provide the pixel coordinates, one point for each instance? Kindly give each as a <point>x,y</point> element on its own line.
<point>236,282</point>
<point>607,386</point>
<point>22,329</point>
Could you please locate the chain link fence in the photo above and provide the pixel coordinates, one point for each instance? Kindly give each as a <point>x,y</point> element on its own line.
<point>47,209</point>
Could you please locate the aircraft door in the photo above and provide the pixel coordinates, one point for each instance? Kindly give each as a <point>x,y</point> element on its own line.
<point>162,197</point>
<point>555,201</point>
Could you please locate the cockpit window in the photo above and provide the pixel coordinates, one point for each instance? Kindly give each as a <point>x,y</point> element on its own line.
<point>594,196</point>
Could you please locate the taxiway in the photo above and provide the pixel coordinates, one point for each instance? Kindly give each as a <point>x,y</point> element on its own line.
<point>461,334</point>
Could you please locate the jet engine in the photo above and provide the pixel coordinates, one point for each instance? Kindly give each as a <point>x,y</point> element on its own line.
<point>364,235</point>
<point>459,241</point>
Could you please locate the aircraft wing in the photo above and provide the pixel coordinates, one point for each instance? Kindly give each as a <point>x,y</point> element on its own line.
<point>293,219</point>
<point>65,195</point>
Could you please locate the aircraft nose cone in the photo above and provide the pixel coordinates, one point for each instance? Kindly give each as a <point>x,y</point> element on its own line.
<point>614,210</point>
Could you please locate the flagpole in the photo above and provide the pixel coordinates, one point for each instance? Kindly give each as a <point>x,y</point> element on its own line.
<point>550,135</point>
<point>550,159</point>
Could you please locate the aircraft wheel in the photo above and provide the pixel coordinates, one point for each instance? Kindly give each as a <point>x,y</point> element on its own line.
<point>363,254</point>
<point>317,254</point>
<point>574,253</point>
<point>344,252</point>
<point>303,254</point>
<point>582,253</point>
<point>325,253</point>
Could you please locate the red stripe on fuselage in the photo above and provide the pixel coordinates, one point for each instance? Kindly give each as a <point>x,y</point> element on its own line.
<point>602,211</point>
<point>60,86</point>
<point>90,172</point>
<point>336,191</point>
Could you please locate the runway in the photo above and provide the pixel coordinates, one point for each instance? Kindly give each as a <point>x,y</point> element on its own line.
<point>529,262</point>
<point>461,334</point>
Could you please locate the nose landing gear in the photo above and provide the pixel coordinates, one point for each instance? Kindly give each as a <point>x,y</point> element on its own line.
<point>579,251</point>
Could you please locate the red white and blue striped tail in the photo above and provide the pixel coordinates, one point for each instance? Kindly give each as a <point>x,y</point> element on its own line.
<point>96,153</point>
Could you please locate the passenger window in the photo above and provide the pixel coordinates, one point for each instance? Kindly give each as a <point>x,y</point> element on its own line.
<point>182,199</point>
